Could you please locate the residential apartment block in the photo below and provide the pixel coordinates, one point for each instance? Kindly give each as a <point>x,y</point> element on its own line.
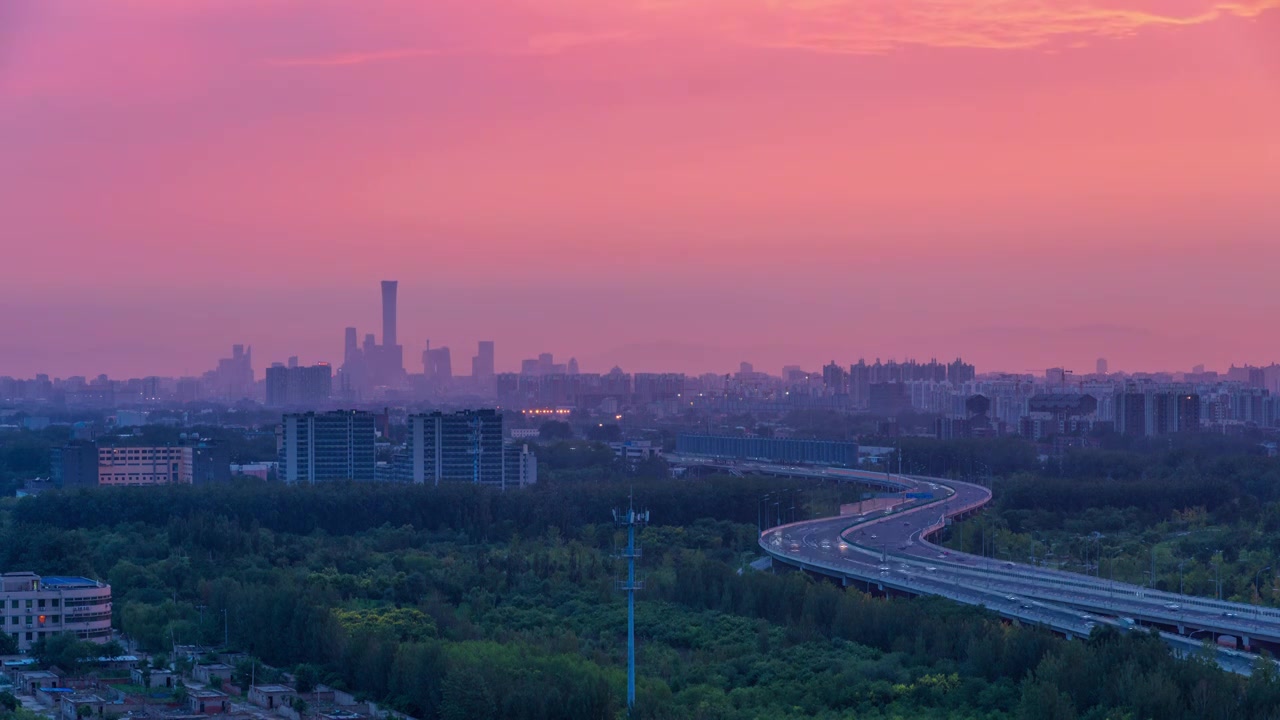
<point>319,447</point>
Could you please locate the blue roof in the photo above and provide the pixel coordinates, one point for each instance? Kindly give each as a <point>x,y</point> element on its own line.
<point>67,581</point>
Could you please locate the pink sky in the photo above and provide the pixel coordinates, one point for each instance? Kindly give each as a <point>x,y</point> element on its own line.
<point>665,184</point>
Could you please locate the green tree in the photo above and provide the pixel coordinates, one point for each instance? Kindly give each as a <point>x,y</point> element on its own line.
<point>466,696</point>
<point>306,677</point>
<point>554,430</point>
<point>111,649</point>
<point>144,667</point>
<point>8,701</point>
<point>65,651</point>
<point>180,693</point>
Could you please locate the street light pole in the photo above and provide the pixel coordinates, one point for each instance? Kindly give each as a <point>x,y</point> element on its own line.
<point>1257,578</point>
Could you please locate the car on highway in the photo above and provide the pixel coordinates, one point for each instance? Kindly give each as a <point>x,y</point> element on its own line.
<point>931,569</point>
<point>873,537</point>
<point>826,544</point>
<point>1229,614</point>
<point>1172,606</point>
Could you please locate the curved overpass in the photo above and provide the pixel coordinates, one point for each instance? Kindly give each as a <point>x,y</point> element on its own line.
<point>890,551</point>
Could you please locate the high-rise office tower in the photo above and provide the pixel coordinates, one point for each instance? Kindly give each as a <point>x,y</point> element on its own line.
<point>298,386</point>
<point>350,344</point>
<point>441,366</point>
<point>389,313</point>
<point>482,367</point>
<point>1102,366</point>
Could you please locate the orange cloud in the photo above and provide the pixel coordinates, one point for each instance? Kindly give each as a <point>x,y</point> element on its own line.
<point>879,26</point>
<point>828,26</point>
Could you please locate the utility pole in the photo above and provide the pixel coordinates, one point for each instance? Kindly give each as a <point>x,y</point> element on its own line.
<point>631,519</point>
<point>226,642</point>
<point>1153,567</point>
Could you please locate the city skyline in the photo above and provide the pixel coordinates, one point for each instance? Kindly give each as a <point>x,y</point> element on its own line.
<point>664,186</point>
<point>380,359</point>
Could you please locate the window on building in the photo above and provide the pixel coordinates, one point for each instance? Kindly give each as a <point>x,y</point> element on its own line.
<point>28,636</point>
<point>15,620</point>
<point>40,603</point>
<point>15,604</point>
<point>55,618</point>
<point>55,602</point>
<point>28,604</point>
<point>28,619</point>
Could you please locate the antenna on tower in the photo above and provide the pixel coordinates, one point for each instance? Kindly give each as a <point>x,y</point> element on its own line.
<point>630,519</point>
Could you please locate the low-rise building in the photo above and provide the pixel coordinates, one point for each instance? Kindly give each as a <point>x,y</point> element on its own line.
<point>31,681</point>
<point>271,696</point>
<point>158,678</point>
<point>70,703</point>
<point>208,702</point>
<point>36,607</point>
<point>205,674</point>
<point>635,450</point>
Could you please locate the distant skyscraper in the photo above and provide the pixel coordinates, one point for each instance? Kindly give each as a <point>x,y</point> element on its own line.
<point>350,344</point>
<point>233,378</point>
<point>441,366</point>
<point>298,386</point>
<point>573,366</point>
<point>483,363</point>
<point>389,313</point>
<point>1102,366</point>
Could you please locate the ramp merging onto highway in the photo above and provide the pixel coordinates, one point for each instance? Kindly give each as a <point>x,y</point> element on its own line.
<point>890,551</point>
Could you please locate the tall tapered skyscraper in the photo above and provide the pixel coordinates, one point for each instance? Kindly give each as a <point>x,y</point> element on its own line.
<point>389,313</point>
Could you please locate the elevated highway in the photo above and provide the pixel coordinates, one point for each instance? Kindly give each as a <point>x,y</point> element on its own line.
<point>890,551</point>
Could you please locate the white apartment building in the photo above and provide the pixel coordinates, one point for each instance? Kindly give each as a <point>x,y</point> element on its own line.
<point>36,607</point>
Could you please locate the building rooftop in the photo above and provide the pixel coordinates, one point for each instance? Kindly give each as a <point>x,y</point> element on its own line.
<point>66,581</point>
<point>272,688</point>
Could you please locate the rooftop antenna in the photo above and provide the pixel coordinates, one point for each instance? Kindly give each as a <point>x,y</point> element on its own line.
<point>630,519</point>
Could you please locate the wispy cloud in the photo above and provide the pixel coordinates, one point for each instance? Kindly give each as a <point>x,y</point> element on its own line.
<point>865,27</point>
<point>357,58</point>
<point>552,43</point>
<point>879,26</point>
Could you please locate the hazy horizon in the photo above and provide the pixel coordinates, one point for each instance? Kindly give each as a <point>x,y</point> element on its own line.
<point>663,186</point>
